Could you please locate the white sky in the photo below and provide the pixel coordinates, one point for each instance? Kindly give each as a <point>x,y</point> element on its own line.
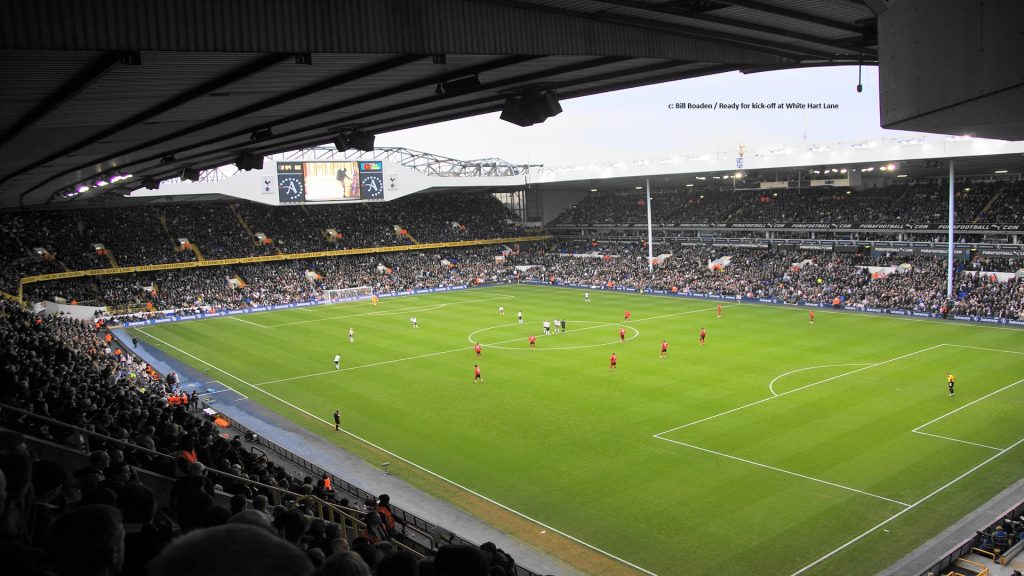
<point>637,123</point>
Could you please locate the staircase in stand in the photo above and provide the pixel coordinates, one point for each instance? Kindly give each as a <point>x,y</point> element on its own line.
<point>988,205</point>
<point>241,220</point>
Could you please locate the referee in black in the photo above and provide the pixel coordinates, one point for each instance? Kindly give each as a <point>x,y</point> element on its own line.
<point>337,420</point>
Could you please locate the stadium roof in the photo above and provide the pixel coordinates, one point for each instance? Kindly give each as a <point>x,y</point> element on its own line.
<point>94,90</point>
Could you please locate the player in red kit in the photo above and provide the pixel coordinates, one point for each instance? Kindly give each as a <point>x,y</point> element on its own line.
<point>719,310</point>
<point>477,349</point>
<point>812,316</point>
<point>476,373</point>
<point>612,361</point>
<point>533,342</point>
<point>703,334</point>
<point>622,334</point>
<point>627,315</point>
<point>664,349</point>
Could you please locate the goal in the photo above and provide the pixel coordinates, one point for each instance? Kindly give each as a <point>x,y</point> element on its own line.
<point>348,294</point>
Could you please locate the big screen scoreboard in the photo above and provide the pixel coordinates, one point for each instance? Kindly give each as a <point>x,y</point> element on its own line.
<point>329,181</point>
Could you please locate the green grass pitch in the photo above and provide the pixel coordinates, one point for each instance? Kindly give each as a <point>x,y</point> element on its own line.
<point>780,447</point>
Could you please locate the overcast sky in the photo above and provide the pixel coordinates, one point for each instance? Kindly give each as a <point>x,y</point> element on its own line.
<point>638,123</point>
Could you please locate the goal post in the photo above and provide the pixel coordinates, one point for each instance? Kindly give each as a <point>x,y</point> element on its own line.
<point>335,295</point>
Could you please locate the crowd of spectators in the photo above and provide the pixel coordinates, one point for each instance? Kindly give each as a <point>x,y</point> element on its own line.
<point>821,277</point>
<point>100,519</point>
<point>150,235</point>
<point>1001,202</point>
<point>278,282</point>
<point>791,276</point>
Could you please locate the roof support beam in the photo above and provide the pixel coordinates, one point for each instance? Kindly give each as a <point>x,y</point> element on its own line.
<point>794,14</point>
<point>85,78</point>
<point>281,98</point>
<point>708,17</point>
<point>273,101</point>
<point>171,103</point>
<point>688,32</point>
<point>303,139</point>
<point>489,103</point>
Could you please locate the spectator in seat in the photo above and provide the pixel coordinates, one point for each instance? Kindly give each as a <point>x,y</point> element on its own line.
<point>48,479</point>
<point>87,541</point>
<point>346,563</point>
<point>400,563</point>
<point>142,540</point>
<point>231,550</point>
<point>496,557</point>
<point>460,560</point>
<point>387,515</point>
<point>1000,539</point>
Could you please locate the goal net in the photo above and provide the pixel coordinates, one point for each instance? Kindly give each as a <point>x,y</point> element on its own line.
<point>348,294</point>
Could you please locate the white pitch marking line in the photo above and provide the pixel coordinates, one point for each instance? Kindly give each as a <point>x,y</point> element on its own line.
<point>791,473</point>
<point>246,321</point>
<point>428,355</point>
<point>987,349</point>
<point>905,510</point>
<point>763,400</point>
<point>771,385</point>
<point>956,440</point>
<point>411,463</point>
<point>389,312</point>
<point>200,360</point>
<point>933,420</point>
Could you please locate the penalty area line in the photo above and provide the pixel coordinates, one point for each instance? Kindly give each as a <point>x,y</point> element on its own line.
<point>784,471</point>
<point>938,490</point>
<point>951,412</point>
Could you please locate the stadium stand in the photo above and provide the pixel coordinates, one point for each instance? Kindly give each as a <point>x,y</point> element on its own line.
<point>984,202</point>
<point>149,235</point>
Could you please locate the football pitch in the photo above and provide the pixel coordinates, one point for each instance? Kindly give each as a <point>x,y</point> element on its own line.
<point>780,447</point>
